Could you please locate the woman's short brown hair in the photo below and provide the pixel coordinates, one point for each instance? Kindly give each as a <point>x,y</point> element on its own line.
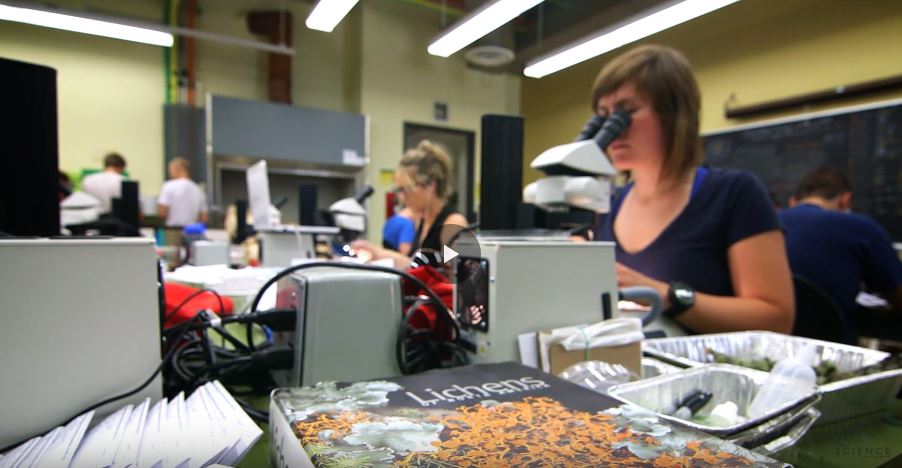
<point>427,163</point>
<point>665,77</point>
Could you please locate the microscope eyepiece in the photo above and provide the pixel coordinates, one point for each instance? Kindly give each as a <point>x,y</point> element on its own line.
<point>612,128</point>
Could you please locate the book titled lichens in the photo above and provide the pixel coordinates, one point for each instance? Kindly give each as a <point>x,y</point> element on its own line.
<point>482,415</point>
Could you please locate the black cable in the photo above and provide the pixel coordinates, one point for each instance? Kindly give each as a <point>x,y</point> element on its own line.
<point>111,399</point>
<point>230,338</point>
<point>417,350</point>
<point>193,366</point>
<point>457,234</point>
<point>192,296</point>
<point>351,266</point>
<point>207,347</point>
<point>406,363</point>
<point>257,414</point>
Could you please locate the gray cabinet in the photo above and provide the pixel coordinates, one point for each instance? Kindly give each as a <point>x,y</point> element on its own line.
<point>255,129</point>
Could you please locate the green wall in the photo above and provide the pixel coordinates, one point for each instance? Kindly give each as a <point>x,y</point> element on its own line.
<point>400,82</point>
<point>111,92</point>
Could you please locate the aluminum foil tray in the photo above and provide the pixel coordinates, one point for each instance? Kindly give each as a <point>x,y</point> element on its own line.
<point>653,368</point>
<point>726,382</point>
<point>842,399</point>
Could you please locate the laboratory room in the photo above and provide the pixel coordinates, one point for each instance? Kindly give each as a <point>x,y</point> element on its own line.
<point>342,233</point>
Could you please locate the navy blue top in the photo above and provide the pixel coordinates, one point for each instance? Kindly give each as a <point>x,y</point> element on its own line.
<point>838,251</point>
<point>725,207</point>
<point>398,230</point>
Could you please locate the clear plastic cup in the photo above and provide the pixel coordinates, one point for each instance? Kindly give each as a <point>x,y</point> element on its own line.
<point>597,375</point>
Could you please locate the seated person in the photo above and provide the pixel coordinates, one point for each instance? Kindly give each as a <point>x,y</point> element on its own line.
<point>837,250</point>
<point>707,240</point>
<point>399,231</point>
<point>424,177</point>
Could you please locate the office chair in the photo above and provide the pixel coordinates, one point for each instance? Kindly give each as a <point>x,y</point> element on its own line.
<point>818,315</point>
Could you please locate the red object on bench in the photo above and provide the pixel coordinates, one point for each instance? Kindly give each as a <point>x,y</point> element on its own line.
<point>176,293</point>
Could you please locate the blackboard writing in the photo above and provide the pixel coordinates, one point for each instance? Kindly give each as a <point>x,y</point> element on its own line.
<point>865,143</point>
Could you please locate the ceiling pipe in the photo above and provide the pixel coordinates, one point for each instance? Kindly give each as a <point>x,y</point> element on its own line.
<point>816,97</point>
<point>171,29</point>
<point>276,26</point>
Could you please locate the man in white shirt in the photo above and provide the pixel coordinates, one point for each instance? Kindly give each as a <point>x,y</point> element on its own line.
<point>106,185</point>
<point>181,201</point>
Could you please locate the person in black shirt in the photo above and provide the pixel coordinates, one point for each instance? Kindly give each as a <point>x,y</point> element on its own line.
<point>423,180</point>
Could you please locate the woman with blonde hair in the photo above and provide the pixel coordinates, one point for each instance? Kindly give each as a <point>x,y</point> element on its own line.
<point>423,181</point>
<point>707,240</point>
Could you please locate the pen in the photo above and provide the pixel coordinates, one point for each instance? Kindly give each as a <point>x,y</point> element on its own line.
<point>691,404</point>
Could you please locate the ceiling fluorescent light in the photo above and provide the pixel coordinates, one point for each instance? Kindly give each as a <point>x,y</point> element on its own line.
<point>487,18</point>
<point>622,34</point>
<point>84,25</point>
<point>328,13</point>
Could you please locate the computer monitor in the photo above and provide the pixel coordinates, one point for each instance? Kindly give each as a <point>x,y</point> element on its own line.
<point>258,193</point>
<point>279,245</point>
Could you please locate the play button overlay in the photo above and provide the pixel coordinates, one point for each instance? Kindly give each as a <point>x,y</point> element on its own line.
<point>460,252</point>
<point>448,254</point>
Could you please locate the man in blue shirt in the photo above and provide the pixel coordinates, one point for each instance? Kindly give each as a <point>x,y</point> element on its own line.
<point>835,249</point>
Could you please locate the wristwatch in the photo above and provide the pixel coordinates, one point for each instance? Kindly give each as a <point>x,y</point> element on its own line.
<point>682,298</point>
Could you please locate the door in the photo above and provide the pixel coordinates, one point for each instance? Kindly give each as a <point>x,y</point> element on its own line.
<point>460,146</point>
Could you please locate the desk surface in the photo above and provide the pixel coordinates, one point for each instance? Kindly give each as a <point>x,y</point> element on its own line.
<point>866,441</point>
<point>863,442</point>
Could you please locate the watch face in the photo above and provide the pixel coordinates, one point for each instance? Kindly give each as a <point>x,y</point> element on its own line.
<point>683,294</point>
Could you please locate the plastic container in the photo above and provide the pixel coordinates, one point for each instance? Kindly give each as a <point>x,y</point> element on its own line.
<point>790,378</point>
<point>190,233</point>
<point>597,375</point>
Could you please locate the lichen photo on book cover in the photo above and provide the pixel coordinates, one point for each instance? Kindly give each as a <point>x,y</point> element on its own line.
<point>489,415</point>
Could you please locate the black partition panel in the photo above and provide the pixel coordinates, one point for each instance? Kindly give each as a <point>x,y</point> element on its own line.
<point>129,204</point>
<point>307,201</point>
<point>29,181</point>
<point>183,137</point>
<point>865,142</point>
<point>501,171</point>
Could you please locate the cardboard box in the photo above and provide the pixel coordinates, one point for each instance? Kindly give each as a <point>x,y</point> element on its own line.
<point>629,355</point>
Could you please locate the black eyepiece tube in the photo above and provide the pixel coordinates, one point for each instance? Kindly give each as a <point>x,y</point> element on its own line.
<point>590,128</point>
<point>612,128</point>
<point>363,193</point>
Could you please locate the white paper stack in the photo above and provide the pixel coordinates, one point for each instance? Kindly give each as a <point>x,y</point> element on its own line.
<point>208,428</point>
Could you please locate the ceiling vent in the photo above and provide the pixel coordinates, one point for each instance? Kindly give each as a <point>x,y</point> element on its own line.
<point>489,56</point>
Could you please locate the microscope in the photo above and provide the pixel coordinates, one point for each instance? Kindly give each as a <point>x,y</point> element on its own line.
<point>578,176</point>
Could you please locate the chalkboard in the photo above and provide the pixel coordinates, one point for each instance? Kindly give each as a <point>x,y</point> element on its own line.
<point>865,142</point>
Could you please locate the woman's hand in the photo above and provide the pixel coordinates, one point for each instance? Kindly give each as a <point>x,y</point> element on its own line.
<point>627,277</point>
<point>367,251</point>
<point>764,297</point>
